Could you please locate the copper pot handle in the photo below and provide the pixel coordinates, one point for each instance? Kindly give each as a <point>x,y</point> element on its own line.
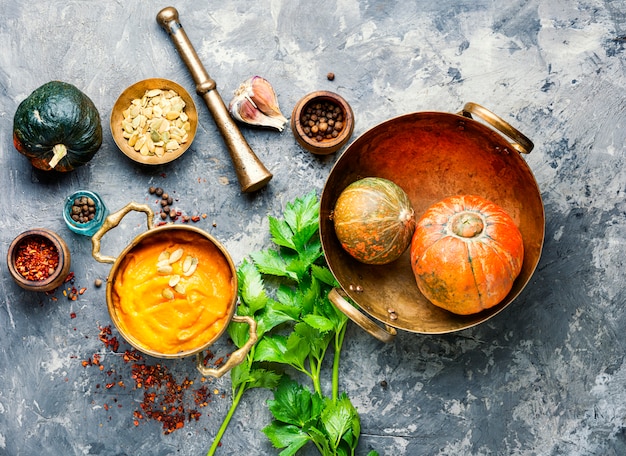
<point>237,357</point>
<point>111,222</point>
<point>386,334</point>
<point>521,142</point>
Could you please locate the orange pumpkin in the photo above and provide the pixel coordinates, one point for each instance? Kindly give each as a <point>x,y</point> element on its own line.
<point>466,252</point>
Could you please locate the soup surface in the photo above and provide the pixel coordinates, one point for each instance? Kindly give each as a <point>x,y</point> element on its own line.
<point>173,292</point>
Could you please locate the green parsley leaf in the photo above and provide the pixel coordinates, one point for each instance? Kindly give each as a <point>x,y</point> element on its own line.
<point>295,404</point>
<point>290,437</point>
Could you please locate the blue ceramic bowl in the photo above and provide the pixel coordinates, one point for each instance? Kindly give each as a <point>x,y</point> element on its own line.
<point>90,227</point>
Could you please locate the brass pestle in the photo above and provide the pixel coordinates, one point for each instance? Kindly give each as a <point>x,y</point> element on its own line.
<point>251,172</point>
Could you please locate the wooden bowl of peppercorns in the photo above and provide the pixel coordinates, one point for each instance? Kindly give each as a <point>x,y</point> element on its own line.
<point>39,260</point>
<point>322,122</point>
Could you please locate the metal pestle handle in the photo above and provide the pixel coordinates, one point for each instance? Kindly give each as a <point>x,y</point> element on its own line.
<point>251,172</point>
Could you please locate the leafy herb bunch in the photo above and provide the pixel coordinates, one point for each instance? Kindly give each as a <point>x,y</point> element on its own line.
<point>285,289</point>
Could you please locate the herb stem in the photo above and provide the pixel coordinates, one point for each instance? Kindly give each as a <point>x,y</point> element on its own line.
<point>339,336</point>
<point>233,406</point>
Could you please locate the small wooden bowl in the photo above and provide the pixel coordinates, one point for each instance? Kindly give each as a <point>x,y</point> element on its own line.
<point>138,90</point>
<point>325,146</point>
<point>60,273</point>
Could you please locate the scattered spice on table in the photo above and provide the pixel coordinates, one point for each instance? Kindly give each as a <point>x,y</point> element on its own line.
<point>171,402</point>
<point>37,258</point>
<point>166,209</point>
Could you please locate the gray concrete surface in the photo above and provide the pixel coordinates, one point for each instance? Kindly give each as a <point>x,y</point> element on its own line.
<point>545,377</point>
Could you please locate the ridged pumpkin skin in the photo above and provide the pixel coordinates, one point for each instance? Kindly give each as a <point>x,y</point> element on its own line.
<point>57,118</point>
<point>466,253</point>
<point>374,220</point>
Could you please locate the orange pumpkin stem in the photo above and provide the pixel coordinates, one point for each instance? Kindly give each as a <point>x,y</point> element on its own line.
<point>467,224</point>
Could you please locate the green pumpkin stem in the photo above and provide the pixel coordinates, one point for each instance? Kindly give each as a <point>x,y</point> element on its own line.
<point>59,151</point>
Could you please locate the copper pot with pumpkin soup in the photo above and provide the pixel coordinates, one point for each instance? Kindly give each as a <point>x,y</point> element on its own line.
<point>172,292</point>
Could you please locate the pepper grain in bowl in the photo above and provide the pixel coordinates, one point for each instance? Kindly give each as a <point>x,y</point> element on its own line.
<point>154,121</point>
<point>173,294</point>
<point>322,122</point>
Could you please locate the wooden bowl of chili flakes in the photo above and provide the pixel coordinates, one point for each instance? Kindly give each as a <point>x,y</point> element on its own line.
<point>39,260</point>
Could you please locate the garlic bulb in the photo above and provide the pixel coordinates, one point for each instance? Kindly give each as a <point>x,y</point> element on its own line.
<point>256,103</point>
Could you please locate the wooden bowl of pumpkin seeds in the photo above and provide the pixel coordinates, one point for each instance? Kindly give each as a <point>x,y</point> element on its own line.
<point>154,121</point>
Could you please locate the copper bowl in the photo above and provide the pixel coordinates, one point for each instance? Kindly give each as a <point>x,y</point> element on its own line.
<point>325,146</point>
<point>431,155</point>
<point>59,275</point>
<point>137,91</point>
<point>167,235</point>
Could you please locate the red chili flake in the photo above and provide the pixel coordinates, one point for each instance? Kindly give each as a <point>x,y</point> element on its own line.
<point>73,315</point>
<point>69,277</point>
<point>36,258</point>
<point>170,402</point>
<point>195,218</point>
<point>82,291</point>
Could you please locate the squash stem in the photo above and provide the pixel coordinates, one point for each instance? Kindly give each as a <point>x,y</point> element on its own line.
<point>59,152</point>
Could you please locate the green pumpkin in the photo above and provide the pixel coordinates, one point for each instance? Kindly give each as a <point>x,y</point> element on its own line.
<point>374,220</point>
<point>57,127</point>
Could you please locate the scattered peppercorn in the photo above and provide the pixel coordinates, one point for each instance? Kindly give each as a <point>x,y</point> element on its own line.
<point>322,120</point>
<point>330,76</point>
<point>98,283</point>
<point>165,203</point>
<point>83,209</point>
<point>36,258</point>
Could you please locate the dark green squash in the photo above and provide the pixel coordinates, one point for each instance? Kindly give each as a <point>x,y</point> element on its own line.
<point>57,127</point>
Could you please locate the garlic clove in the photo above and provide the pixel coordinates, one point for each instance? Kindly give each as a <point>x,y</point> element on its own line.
<point>243,110</point>
<point>265,97</point>
<point>255,102</point>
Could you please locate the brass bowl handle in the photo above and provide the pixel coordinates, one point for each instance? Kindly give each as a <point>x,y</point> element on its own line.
<point>237,357</point>
<point>386,334</point>
<point>521,143</point>
<point>111,222</point>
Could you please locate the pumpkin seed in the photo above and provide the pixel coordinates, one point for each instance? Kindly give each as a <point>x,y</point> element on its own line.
<point>172,144</point>
<point>165,269</point>
<point>148,120</point>
<point>189,266</point>
<point>164,255</point>
<point>174,280</point>
<point>176,255</point>
<point>180,288</point>
<point>153,93</point>
<point>167,293</point>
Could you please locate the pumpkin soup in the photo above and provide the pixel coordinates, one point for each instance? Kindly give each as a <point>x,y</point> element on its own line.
<point>173,294</point>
